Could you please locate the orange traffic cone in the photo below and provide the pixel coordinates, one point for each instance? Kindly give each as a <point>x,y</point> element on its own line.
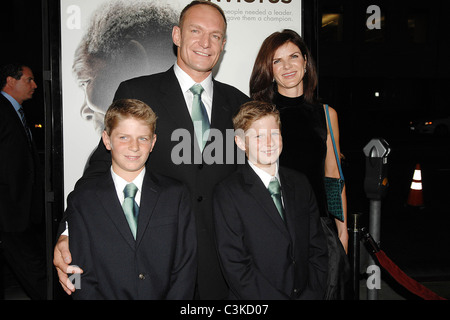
<point>415,197</point>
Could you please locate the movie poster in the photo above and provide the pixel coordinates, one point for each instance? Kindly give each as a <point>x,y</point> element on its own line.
<point>105,42</point>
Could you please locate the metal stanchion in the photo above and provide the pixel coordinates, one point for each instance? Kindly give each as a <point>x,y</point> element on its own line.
<point>355,256</point>
<point>374,230</point>
<point>2,262</point>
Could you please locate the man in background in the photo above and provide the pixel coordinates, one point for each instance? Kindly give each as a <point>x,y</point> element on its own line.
<point>22,228</point>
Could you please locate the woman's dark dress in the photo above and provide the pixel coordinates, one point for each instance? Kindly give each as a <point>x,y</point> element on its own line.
<point>304,131</point>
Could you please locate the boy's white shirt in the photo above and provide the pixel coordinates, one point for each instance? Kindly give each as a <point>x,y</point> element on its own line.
<point>120,184</point>
<point>266,177</point>
<point>263,175</point>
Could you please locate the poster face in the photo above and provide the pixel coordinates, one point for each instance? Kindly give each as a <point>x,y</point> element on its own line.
<point>105,42</point>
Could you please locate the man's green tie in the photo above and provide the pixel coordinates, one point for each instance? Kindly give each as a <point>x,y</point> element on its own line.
<point>199,116</point>
<point>130,207</point>
<point>274,189</point>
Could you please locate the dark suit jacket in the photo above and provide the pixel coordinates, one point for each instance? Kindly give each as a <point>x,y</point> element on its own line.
<point>163,94</point>
<point>21,177</point>
<point>160,264</point>
<point>262,256</point>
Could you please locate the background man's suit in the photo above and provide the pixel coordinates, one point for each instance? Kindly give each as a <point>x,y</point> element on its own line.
<point>20,174</point>
<point>21,203</point>
<point>263,256</point>
<point>160,264</point>
<point>163,94</point>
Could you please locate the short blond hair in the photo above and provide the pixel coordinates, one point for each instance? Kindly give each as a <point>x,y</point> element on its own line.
<point>253,111</point>
<point>129,108</point>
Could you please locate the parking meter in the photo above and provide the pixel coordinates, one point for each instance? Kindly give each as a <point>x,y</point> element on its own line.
<point>376,181</point>
<point>375,186</point>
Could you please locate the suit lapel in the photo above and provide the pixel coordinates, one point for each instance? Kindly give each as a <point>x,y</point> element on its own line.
<point>149,198</point>
<point>263,198</point>
<point>220,108</point>
<point>174,105</point>
<point>113,208</point>
<point>172,100</point>
<point>288,191</point>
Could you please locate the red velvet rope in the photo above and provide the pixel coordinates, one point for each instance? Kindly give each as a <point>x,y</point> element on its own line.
<point>410,284</point>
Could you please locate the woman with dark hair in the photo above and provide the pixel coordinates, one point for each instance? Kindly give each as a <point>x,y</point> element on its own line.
<point>284,74</point>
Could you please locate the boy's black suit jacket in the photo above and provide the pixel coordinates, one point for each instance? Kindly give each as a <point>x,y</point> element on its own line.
<point>264,257</point>
<point>160,264</point>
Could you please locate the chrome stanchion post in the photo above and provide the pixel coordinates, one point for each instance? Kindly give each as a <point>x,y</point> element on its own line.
<point>2,262</point>
<point>374,230</point>
<point>355,256</point>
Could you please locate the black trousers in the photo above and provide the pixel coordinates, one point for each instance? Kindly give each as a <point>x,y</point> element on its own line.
<point>25,254</point>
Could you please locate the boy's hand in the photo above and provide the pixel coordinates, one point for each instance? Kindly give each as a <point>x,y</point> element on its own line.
<point>61,260</point>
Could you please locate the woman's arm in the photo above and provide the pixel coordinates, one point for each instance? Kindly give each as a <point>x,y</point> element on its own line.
<point>332,170</point>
